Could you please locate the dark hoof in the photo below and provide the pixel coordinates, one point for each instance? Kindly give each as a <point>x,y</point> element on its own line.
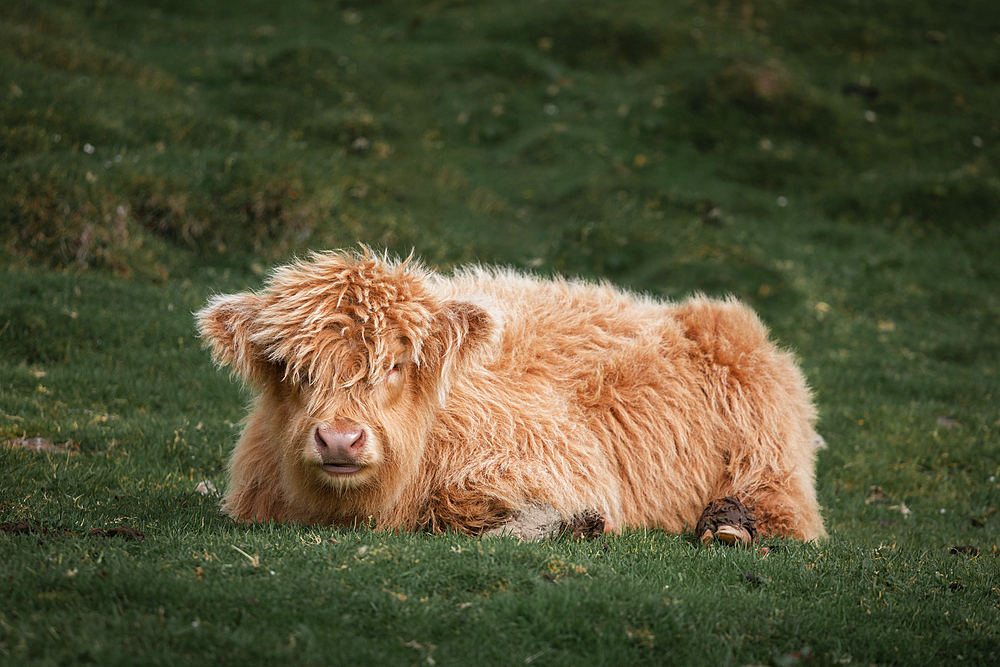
<point>588,524</point>
<point>726,520</point>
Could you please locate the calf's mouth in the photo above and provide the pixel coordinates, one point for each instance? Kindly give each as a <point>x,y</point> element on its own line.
<point>336,469</point>
<point>339,446</point>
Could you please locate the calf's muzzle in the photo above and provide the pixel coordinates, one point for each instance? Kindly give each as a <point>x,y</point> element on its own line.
<point>339,445</point>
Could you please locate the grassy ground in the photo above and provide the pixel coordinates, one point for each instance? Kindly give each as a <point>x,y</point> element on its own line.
<point>834,164</point>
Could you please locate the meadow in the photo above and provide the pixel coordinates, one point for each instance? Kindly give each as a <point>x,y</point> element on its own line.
<point>833,164</point>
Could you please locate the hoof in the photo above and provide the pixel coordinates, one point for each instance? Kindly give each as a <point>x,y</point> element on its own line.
<point>728,521</point>
<point>733,536</point>
<point>588,524</point>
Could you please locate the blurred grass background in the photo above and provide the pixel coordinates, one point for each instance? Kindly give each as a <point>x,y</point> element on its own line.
<point>832,164</point>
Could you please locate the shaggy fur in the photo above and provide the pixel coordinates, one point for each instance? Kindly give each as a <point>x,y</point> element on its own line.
<point>489,391</point>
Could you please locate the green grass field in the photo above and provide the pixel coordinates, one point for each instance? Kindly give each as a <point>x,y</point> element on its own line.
<point>834,164</point>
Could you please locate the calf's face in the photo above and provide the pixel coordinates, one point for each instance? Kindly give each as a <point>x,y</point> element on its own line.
<point>352,357</point>
<point>369,433</point>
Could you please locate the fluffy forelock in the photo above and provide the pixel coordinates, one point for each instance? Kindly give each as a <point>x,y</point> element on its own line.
<point>334,318</point>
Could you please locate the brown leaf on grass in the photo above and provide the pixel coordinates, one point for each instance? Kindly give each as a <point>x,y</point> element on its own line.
<point>903,509</point>
<point>875,495</point>
<point>427,649</point>
<point>641,636</point>
<point>800,657</point>
<point>772,548</point>
<point>39,444</point>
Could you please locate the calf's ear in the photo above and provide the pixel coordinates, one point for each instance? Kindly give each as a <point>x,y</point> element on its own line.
<point>226,324</point>
<point>465,328</point>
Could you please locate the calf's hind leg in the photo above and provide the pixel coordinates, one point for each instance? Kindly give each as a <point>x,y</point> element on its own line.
<point>769,509</point>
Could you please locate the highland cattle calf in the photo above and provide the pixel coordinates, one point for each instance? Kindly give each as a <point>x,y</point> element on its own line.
<point>388,393</point>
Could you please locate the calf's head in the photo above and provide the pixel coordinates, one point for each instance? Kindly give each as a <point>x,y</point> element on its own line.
<point>351,355</point>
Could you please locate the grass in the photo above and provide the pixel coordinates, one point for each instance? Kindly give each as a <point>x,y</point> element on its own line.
<point>834,165</point>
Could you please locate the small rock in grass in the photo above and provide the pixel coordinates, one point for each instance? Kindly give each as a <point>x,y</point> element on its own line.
<point>205,487</point>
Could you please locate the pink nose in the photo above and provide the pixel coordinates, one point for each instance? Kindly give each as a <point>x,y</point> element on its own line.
<point>339,441</point>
